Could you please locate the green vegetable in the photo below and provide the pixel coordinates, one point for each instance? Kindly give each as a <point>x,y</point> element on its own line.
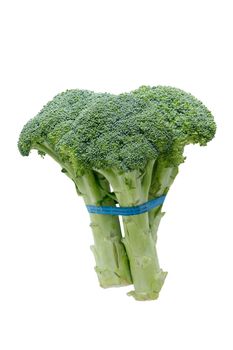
<point>132,143</point>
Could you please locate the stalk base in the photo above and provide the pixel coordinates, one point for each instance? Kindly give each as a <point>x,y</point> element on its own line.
<point>152,294</point>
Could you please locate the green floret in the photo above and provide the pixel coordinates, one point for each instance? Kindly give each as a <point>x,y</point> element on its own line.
<point>58,113</point>
<point>118,131</point>
<point>132,143</point>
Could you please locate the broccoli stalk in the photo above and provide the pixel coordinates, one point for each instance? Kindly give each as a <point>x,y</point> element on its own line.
<point>112,266</point>
<point>131,189</point>
<point>134,143</point>
<point>162,179</point>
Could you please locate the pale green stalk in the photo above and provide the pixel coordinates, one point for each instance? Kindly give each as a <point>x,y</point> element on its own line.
<point>132,189</point>
<point>112,265</point>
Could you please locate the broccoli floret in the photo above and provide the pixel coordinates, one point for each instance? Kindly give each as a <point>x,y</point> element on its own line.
<point>133,143</point>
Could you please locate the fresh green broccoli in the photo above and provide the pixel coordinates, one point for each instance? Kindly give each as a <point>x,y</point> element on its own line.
<point>133,144</point>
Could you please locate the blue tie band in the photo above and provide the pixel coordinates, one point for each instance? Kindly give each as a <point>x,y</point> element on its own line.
<point>126,211</point>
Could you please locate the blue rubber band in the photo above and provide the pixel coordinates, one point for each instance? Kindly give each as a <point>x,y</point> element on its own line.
<point>126,211</point>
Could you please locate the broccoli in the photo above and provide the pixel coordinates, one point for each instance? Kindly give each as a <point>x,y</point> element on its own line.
<point>121,150</point>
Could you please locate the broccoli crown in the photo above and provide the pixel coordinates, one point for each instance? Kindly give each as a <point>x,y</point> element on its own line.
<point>100,130</point>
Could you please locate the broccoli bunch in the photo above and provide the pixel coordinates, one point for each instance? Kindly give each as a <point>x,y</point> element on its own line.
<point>121,150</point>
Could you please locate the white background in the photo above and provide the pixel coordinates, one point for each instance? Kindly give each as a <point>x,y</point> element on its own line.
<point>49,294</point>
